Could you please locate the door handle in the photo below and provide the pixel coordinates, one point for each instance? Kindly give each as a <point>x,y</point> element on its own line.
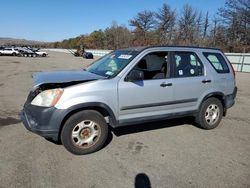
<point>206,81</point>
<point>166,84</point>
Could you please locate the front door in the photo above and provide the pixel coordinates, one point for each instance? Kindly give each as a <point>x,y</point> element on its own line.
<point>151,96</point>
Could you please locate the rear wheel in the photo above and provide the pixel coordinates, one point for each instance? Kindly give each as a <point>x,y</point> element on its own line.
<point>84,132</point>
<point>44,55</point>
<point>210,114</point>
<point>14,54</point>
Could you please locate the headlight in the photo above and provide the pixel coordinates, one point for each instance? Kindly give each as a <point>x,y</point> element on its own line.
<point>47,98</point>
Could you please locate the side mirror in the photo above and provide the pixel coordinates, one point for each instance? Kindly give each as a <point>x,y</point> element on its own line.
<point>135,75</point>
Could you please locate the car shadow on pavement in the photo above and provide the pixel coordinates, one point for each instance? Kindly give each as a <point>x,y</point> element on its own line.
<point>4,121</point>
<point>136,128</point>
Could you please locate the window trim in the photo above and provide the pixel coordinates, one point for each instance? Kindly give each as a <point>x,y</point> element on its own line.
<point>173,64</point>
<point>215,53</point>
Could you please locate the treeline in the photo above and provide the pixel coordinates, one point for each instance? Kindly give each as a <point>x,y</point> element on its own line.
<point>229,29</point>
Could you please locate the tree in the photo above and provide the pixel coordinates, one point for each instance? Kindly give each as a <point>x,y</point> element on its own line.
<point>165,24</point>
<point>144,22</point>
<point>117,37</point>
<point>188,25</point>
<point>236,18</point>
<point>218,35</point>
<point>95,40</point>
<point>229,30</point>
<point>206,25</point>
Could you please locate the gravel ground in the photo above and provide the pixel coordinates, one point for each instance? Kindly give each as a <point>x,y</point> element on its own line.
<point>172,153</point>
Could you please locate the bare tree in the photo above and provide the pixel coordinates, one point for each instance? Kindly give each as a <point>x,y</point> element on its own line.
<point>188,25</point>
<point>236,18</point>
<point>165,24</point>
<point>144,22</point>
<point>206,25</point>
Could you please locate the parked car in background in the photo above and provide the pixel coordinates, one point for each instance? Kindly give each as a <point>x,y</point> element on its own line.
<point>9,51</point>
<point>130,86</point>
<point>40,53</point>
<point>26,52</point>
<point>88,55</point>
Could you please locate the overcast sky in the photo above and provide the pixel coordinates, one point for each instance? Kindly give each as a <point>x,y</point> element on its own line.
<point>55,20</point>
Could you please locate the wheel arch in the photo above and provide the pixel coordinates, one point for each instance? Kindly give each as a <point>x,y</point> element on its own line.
<point>220,96</point>
<point>102,108</point>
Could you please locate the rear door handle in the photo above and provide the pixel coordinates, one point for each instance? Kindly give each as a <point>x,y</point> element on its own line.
<point>166,84</point>
<point>206,81</point>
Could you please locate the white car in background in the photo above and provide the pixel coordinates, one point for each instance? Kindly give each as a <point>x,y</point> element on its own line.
<point>9,51</point>
<point>41,53</point>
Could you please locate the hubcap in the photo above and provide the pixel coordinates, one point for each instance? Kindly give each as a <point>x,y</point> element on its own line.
<point>85,134</point>
<point>212,114</point>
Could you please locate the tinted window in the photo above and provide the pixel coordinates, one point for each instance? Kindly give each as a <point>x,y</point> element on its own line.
<point>154,65</point>
<point>217,61</point>
<point>187,64</point>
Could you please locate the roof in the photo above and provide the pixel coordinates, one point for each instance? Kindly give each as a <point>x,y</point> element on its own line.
<point>141,48</point>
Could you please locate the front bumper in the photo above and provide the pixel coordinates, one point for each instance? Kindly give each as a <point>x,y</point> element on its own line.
<point>45,122</point>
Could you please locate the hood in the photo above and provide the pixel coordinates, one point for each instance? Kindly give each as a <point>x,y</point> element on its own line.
<point>63,77</point>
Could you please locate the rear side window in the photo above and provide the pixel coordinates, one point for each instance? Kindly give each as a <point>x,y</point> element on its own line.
<point>187,64</point>
<point>217,61</point>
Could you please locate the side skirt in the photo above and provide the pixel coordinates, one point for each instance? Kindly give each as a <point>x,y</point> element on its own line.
<point>141,120</point>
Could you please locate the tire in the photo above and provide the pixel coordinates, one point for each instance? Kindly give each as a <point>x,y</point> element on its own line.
<point>84,132</point>
<point>44,55</point>
<point>210,114</point>
<point>0,53</point>
<point>14,54</point>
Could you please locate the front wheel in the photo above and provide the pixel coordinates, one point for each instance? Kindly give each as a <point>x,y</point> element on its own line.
<point>210,114</point>
<point>84,132</point>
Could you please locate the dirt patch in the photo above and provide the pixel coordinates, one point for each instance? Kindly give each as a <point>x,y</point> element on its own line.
<point>1,85</point>
<point>9,121</point>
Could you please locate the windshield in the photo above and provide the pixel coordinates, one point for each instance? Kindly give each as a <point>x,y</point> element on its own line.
<point>113,63</point>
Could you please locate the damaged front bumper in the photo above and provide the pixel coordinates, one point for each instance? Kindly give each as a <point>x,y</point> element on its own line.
<point>43,121</point>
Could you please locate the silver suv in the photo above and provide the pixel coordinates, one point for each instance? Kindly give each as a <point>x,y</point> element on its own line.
<point>130,86</point>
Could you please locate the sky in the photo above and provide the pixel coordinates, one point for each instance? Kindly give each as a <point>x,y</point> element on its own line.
<point>55,20</point>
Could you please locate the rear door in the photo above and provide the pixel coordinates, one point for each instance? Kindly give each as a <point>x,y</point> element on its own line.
<point>190,82</point>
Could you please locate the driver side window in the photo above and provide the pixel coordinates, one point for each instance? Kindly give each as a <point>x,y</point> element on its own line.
<point>154,65</point>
